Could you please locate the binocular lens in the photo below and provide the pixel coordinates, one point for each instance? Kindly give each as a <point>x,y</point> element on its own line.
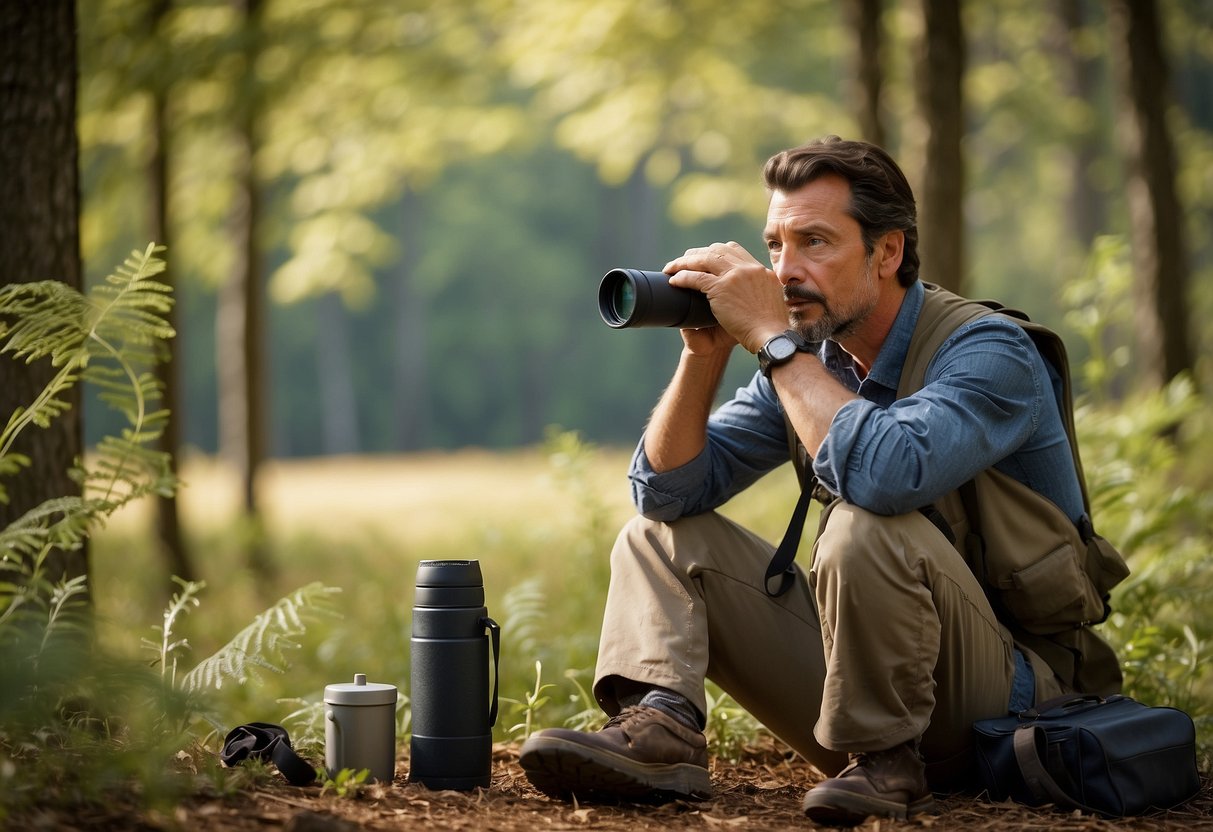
<point>632,297</point>
<point>623,300</point>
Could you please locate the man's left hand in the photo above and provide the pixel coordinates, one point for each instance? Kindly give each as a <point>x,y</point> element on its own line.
<point>746,296</point>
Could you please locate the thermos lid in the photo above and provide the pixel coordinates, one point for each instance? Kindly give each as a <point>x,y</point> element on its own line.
<point>449,573</point>
<point>360,693</point>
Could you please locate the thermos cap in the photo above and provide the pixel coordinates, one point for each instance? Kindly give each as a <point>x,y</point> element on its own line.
<point>444,573</point>
<point>360,693</point>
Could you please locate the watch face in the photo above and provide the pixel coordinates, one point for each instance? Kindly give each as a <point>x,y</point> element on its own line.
<point>781,348</point>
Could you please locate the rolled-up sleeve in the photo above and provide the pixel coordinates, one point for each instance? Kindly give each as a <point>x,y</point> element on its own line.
<point>746,438</point>
<point>981,399</point>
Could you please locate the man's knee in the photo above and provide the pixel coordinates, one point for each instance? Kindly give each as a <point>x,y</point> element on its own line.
<point>687,543</point>
<point>855,540</point>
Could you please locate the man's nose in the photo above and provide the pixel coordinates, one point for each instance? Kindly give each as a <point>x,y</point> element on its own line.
<point>789,268</point>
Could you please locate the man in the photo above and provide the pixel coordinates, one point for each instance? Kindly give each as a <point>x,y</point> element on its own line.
<point>875,663</point>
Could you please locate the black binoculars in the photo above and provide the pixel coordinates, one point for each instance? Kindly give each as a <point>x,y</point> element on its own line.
<point>632,297</point>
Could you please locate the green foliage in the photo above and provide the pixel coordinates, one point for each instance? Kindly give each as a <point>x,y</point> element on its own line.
<point>530,706</point>
<point>262,644</point>
<point>730,728</point>
<point>1145,458</point>
<point>1099,311</point>
<point>346,783</point>
<point>107,339</point>
<point>78,720</point>
<point>74,718</point>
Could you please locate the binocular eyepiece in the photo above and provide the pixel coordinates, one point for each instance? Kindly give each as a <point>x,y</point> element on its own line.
<point>632,297</point>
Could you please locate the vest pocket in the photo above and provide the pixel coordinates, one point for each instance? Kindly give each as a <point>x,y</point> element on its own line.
<point>1051,594</point>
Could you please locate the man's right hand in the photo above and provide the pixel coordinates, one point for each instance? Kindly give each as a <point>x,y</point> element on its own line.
<point>708,341</point>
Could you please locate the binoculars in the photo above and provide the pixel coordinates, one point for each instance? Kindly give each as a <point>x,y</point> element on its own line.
<point>634,298</point>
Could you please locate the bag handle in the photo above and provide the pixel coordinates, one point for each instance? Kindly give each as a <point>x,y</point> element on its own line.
<point>1029,741</point>
<point>1066,703</point>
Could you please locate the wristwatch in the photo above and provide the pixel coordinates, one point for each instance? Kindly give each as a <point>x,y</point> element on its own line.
<point>779,349</point>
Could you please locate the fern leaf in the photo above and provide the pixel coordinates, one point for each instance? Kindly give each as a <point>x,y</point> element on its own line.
<point>262,644</point>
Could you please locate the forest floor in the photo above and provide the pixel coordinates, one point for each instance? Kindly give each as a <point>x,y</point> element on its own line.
<point>763,791</point>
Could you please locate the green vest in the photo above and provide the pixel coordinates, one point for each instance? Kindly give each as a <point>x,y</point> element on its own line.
<point>1047,579</point>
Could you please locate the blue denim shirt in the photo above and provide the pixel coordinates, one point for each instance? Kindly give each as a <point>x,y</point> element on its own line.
<point>988,399</point>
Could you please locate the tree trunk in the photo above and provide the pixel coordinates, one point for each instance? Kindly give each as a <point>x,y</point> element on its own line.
<point>39,233</point>
<point>335,370</point>
<point>410,381</point>
<point>168,519</point>
<point>1156,220</point>
<point>1079,78</point>
<point>240,322</point>
<point>863,16</point>
<point>941,67</point>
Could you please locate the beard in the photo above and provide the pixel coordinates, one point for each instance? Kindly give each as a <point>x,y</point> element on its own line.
<point>834,323</point>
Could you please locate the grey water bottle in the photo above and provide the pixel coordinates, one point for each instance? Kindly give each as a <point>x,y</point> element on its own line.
<point>360,728</point>
<point>453,711</point>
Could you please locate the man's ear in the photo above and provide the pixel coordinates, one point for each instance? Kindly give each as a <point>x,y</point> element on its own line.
<point>890,248</point>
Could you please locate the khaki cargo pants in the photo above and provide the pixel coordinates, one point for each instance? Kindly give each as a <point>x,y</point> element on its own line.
<point>888,637</point>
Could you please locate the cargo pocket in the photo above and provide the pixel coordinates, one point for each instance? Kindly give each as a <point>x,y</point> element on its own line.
<point>1052,594</point>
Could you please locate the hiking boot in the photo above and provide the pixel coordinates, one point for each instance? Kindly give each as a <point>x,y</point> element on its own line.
<point>888,784</point>
<point>641,754</point>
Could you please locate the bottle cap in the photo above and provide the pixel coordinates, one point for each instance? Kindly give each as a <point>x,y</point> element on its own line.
<point>360,692</point>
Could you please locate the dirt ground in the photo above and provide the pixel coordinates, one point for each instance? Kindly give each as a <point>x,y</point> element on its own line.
<point>763,791</point>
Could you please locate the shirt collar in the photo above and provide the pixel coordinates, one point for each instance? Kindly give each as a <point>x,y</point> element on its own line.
<point>886,370</point>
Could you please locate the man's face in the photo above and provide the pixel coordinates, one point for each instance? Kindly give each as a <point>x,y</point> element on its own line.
<point>817,253</point>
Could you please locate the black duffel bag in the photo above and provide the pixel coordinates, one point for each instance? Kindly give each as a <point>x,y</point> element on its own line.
<point>1112,757</point>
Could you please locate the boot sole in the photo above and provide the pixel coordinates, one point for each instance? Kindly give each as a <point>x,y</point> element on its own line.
<point>840,808</point>
<point>561,768</point>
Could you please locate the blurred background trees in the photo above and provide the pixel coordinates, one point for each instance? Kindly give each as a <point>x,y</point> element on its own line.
<point>388,217</point>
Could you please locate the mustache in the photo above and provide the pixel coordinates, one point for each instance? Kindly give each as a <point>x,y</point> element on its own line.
<point>802,293</point>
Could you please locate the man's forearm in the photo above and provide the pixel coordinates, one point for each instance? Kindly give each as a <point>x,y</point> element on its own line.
<point>810,396</point>
<point>677,431</point>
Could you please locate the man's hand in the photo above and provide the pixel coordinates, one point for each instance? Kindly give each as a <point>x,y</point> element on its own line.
<point>746,297</point>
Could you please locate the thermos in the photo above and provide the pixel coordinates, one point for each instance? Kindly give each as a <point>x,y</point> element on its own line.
<point>453,712</point>
<point>360,728</point>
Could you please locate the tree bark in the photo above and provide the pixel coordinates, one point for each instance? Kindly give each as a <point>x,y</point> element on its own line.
<point>168,518</point>
<point>241,319</point>
<point>1156,220</point>
<point>941,68</point>
<point>1079,79</point>
<point>863,16</point>
<point>39,233</point>
<point>335,370</point>
<point>410,379</point>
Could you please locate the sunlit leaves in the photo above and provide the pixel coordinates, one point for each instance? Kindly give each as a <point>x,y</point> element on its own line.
<point>687,84</point>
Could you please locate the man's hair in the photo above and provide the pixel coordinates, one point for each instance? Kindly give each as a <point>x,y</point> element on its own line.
<point>881,198</point>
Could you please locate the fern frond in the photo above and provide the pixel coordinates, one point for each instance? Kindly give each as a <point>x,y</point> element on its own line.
<point>167,648</point>
<point>263,643</point>
<point>48,320</point>
<point>524,606</point>
<point>129,304</point>
<point>64,614</point>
